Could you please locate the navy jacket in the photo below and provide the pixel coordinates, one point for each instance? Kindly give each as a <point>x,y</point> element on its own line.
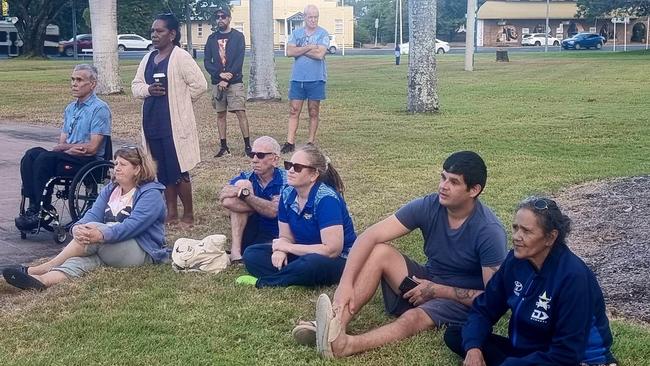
<point>235,48</point>
<point>558,314</point>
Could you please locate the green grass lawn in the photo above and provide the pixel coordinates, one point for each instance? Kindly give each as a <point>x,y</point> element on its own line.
<point>542,123</point>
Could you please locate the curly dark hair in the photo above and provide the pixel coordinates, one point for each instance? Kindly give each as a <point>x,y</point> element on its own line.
<point>549,216</point>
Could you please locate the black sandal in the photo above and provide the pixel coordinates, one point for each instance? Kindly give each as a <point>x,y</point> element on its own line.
<point>18,278</point>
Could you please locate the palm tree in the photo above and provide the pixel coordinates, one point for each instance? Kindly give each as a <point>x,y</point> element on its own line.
<point>103,20</point>
<point>422,79</point>
<point>262,83</point>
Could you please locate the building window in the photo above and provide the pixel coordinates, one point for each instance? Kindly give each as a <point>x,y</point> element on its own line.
<point>239,26</point>
<point>235,2</point>
<point>200,30</point>
<point>338,26</point>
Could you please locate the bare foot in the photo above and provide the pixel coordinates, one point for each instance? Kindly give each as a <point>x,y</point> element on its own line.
<point>186,223</point>
<point>171,220</point>
<point>340,344</point>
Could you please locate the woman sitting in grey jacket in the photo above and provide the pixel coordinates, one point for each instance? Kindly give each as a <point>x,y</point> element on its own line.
<point>124,227</point>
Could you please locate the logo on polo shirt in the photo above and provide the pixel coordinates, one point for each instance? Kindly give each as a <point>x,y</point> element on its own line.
<point>518,287</point>
<point>544,303</point>
<point>307,216</point>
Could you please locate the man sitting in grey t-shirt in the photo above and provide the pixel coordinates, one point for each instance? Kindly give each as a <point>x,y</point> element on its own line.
<point>464,242</point>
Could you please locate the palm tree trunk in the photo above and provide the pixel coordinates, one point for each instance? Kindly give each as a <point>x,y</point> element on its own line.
<point>103,20</point>
<point>262,83</point>
<point>422,79</point>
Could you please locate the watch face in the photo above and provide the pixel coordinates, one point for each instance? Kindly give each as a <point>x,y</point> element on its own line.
<point>245,192</point>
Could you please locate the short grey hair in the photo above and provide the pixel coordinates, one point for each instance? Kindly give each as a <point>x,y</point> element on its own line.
<point>92,70</point>
<point>310,6</point>
<point>270,142</point>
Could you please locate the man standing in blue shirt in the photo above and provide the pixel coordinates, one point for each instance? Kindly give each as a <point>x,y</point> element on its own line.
<point>252,198</point>
<point>464,243</point>
<point>308,46</point>
<point>86,121</point>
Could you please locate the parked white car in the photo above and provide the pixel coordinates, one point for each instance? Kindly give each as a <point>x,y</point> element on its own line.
<point>441,47</point>
<point>333,45</point>
<point>133,42</point>
<point>537,39</point>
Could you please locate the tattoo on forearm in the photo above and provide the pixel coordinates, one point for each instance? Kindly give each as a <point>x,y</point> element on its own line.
<point>463,293</point>
<point>430,291</point>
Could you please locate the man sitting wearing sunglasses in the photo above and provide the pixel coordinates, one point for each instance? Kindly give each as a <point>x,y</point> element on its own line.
<point>85,123</point>
<point>252,198</point>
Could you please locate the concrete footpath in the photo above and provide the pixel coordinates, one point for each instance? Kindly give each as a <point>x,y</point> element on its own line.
<point>15,139</point>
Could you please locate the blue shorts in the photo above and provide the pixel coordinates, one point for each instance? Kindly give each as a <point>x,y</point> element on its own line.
<point>302,90</point>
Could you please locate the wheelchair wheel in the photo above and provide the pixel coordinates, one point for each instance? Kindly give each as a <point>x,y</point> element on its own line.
<point>86,185</point>
<point>60,234</point>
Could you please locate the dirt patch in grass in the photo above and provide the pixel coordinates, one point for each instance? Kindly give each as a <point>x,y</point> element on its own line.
<point>611,232</point>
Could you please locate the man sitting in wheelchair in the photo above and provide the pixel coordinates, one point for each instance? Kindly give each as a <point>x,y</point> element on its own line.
<point>87,121</point>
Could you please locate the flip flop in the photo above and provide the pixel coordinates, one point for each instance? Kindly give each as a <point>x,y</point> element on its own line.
<point>20,279</point>
<point>305,333</point>
<point>328,326</point>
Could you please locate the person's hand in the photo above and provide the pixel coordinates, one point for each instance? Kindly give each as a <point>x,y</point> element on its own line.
<point>344,297</point>
<point>87,235</point>
<point>474,357</point>
<point>60,147</point>
<point>279,259</point>
<point>76,150</point>
<point>425,291</point>
<point>281,244</point>
<point>79,233</point>
<point>223,85</point>
<point>95,235</point>
<point>228,191</point>
<point>226,75</point>
<point>157,89</point>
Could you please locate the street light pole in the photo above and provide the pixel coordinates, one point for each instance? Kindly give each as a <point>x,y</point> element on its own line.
<point>74,32</point>
<point>546,29</point>
<point>469,35</point>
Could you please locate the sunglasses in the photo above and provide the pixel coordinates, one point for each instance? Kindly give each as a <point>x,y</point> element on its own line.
<point>296,167</point>
<point>132,147</point>
<point>260,155</point>
<point>543,204</point>
<point>221,16</point>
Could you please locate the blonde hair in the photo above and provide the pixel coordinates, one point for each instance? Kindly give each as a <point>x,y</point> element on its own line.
<point>140,158</point>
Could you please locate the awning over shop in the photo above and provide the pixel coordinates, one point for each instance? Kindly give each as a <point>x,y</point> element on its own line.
<point>526,10</point>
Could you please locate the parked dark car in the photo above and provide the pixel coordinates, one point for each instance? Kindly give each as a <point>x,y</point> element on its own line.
<point>584,41</point>
<point>84,42</point>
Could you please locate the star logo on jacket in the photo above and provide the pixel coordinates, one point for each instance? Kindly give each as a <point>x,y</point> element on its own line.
<point>518,288</point>
<point>307,216</point>
<point>543,302</point>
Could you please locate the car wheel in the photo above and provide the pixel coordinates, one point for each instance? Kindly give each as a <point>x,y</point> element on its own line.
<point>331,50</point>
<point>538,43</point>
<point>578,46</point>
<point>556,43</point>
<point>599,45</point>
<point>440,51</point>
<point>69,51</point>
<point>150,47</point>
<point>121,48</point>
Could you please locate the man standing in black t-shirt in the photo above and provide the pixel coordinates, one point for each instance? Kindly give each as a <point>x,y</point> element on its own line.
<point>224,58</point>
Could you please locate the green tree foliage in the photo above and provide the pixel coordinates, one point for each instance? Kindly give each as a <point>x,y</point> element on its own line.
<point>33,18</point>
<point>605,8</point>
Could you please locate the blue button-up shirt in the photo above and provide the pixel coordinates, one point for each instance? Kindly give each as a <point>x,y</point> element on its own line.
<point>91,117</point>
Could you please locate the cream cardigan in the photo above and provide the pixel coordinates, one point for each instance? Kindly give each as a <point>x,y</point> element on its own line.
<point>186,84</point>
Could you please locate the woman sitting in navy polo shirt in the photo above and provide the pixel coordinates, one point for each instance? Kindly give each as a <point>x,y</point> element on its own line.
<point>316,231</point>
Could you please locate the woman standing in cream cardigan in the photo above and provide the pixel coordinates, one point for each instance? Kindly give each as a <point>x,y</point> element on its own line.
<point>169,80</point>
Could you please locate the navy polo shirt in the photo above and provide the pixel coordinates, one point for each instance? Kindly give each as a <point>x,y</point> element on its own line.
<point>325,207</point>
<point>273,188</point>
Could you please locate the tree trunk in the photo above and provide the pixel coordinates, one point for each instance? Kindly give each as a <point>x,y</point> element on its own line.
<point>422,81</point>
<point>33,18</point>
<point>262,83</point>
<point>103,20</point>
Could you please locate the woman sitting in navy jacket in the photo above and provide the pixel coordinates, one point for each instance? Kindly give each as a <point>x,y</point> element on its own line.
<point>316,231</point>
<point>558,311</point>
<point>124,227</point>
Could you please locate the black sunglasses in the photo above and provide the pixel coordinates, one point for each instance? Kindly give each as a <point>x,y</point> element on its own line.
<point>260,155</point>
<point>296,167</point>
<point>543,204</point>
<point>221,16</point>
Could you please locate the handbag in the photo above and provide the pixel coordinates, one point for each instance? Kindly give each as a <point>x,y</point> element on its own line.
<point>206,255</point>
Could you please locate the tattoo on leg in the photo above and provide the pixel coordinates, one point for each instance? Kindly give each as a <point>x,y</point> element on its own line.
<point>463,293</point>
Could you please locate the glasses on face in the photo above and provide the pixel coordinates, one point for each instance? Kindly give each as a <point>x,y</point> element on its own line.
<point>260,155</point>
<point>221,16</point>
<point>543,204</point>
<point>296,167</point>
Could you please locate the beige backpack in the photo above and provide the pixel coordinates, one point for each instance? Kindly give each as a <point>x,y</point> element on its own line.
<point>207,255</point>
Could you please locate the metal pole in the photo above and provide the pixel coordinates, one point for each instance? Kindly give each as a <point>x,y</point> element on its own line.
<point>286,29</point>
<point>401,28</point>
<point>343,45</point>
<point>74,31</point>
<point>546,29</point>
<point>188,20</point>
<point>647,34</point>
<point>469,35</point>
<point>614,37</point>
<point>625,20</point>
<point>396,15</point>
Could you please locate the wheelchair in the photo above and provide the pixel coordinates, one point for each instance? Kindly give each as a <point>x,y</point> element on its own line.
<point>67,197</point>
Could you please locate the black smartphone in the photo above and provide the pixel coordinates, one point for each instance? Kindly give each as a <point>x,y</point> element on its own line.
<point>408,284</point>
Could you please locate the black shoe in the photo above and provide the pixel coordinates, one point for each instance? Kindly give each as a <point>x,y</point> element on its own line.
<point>248,150</point>
<point>224,150</point>
<point>27,223</point>
<point>18,278</point>
<point>287,148</point>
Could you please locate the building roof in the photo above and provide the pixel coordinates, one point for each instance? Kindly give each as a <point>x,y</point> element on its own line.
<point>527,10</point>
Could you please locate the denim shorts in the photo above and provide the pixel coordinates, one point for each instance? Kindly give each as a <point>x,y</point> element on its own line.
<point>307,90</point>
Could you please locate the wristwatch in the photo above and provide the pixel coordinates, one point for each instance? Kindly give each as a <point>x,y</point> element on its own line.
<point>243,193</point>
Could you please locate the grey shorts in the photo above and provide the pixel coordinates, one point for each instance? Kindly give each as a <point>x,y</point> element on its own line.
<point>123,254</point>
<point>233,99</point>
<point>441,311</point>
